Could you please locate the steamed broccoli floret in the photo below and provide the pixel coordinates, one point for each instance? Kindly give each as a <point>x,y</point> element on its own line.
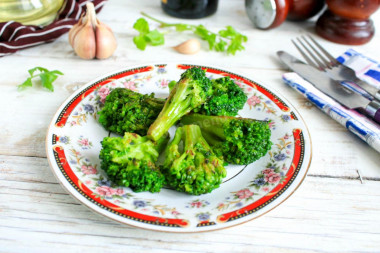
<point>237,140</point>
<point>128,111</point>
<point>190,165</point>
<point>191,91</point>
<point>227,99</point>
<point>130,161</point>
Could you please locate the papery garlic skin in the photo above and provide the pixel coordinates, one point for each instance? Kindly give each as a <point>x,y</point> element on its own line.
<point>91,38</point>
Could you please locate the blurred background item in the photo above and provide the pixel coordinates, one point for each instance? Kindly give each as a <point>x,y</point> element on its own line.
<point>267,14</point>
<point>300,10</point>
<point>348,21</point>
<point>30,12</point>
<point>189,9</point>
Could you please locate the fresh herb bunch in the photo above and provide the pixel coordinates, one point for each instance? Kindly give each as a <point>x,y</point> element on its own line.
<point>227,40</point>
<point>47,78</point>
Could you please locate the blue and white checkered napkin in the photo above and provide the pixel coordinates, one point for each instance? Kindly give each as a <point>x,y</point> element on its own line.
<point>366,69</point>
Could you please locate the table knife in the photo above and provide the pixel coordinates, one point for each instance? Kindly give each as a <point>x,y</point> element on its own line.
<point>330,87</point>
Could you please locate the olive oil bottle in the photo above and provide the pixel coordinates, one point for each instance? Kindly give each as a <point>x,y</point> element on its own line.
<point>29,12</point>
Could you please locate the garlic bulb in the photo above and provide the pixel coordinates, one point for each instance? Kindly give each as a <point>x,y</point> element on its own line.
<point>190,46</point>
<point>91,38</point>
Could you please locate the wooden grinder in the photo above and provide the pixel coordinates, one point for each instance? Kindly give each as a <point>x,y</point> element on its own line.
<point>347,21</point>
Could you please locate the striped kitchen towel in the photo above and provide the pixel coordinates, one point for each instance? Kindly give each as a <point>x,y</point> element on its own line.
<point>366,69</point>
<point>14,36</point>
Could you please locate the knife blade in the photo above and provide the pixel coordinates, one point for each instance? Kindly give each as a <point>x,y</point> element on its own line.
<point>331,87</point>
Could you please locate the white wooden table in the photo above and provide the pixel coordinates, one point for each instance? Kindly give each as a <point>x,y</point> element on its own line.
<point>332,211</point>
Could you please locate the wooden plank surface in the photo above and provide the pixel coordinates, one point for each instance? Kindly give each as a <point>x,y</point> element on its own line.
<point>332,211</point>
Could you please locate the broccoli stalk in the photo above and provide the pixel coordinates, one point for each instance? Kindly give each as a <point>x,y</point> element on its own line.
<point>130,161</point>
<point>128,111</point>
<point>192,167</point>
<point>237,140</point>
<point>227,98</point>
<point>190,92</point>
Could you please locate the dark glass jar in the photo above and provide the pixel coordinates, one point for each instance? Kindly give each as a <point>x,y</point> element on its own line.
<point>189,8</point>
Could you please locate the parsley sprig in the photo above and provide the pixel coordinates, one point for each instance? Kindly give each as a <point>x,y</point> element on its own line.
<point>47,78</point>
<point>146,36</point>
<point>226,40</point>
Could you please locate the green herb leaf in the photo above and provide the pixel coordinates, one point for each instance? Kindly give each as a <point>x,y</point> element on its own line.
<point>141,25</point>
<point>140,42</point>
<point>47,78</point>
<point>146,36</point>
<point>24,85</point>
<point>155,38</point>
<point>220,46</point>
<point>41,69</point>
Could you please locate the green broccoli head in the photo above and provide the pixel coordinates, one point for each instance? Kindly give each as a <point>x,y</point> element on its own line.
<point>128,111</point>
<point>227,99</point>
<point>130,161</point>
<point>237,140</point>
<point>190,92</point>
<point>190,165</point>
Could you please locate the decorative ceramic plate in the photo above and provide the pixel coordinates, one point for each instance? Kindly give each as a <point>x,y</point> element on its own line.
<point>73,145</point>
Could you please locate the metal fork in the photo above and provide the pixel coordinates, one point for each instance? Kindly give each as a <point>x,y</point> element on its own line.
<point>324,61</point>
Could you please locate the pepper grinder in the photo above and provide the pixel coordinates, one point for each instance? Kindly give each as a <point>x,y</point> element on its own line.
<point>348,21</point>
<point>267,14</point>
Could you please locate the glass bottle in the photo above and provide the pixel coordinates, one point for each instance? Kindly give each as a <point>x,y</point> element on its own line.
<point>29,12</point>
<point>189,9</point>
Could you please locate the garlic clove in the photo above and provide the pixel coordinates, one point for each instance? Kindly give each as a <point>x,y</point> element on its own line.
<point>191,46</point>
<point>74,30</point>
<point>84,42</point>
<point>105,41</point>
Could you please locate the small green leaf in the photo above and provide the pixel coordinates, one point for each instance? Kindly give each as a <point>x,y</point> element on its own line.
<point>220,46</point>
<point>141,25</point>
<point>146,36</point>
<point>47,80</point>
<point>140,42</point>
<point>40,69</point>
<point>201,31</point>
<point>155,38</point>
<point>56,72</point>
<point>27,83</point>
<point>211,39</point>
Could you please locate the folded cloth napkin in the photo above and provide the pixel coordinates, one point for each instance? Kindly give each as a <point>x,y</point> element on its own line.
<point>15,36</point>
<point>366,69</point>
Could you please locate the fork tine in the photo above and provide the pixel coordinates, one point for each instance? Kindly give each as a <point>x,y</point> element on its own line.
<point>321,57</point>
<point>320,64</point>
<point>307,58</point>
<point>333,61</point>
